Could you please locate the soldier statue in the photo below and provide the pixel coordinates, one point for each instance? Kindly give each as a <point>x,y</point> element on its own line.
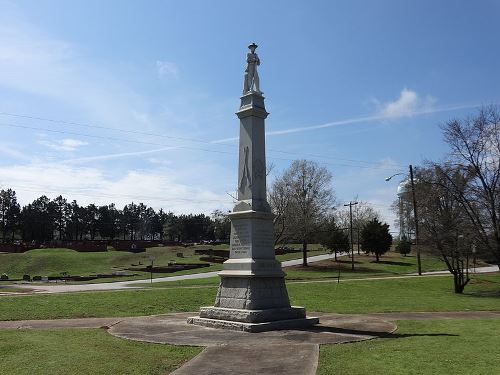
<point>251,75</point>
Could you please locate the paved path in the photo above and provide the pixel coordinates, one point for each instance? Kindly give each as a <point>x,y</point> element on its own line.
<point>296,359</point>
<point>61,288</point>
<point>295,352</point>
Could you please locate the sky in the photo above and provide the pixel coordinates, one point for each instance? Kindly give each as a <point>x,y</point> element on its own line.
<point>120,101</point>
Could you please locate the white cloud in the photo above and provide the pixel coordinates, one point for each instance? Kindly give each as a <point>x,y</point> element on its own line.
<point>12,152</point>
<point>67,144</point>
<point>167,69</point>
<point>409,103</point>
<point>157,188</point>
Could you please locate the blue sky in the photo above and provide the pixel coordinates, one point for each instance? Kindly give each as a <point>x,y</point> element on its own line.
<point>141,95</point>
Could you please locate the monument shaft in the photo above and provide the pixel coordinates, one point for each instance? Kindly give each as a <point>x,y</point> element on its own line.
<point>252,294</point>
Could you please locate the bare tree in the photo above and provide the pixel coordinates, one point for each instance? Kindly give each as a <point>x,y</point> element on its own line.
<point>475,144</point>
<point>279,198</point>
<point>445,228</point>
<point>300,199</point>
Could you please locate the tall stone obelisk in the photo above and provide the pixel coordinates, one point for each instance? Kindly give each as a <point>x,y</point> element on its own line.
<point>252,294</point>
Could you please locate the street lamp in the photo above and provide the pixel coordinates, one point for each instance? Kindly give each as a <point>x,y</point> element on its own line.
<point>419,264</point>
<point>152,259</point>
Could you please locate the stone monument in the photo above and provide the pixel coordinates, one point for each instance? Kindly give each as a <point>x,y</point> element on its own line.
<point>252,294</point>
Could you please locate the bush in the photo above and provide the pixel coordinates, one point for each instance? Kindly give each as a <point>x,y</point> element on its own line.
<point>26,277</point>
<point>4,276</point>
<point>404,246</point>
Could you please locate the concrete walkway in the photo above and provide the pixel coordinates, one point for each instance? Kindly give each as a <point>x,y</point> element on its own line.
<point>300,359</point>
<point>295,352</point>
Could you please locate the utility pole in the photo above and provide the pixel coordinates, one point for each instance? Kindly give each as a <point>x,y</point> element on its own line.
<point>350,204</point>
<point>419,264</point>
<point>357,229</point>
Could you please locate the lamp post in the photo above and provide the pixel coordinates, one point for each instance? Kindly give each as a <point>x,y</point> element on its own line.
<point>152,259</point>
<point>415,214</point>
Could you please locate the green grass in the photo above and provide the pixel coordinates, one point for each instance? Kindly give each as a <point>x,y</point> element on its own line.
<point>209,281</point>
<point>8,289</point>
<point>47,262</point>
<point>354,296</point>
<point>405,294</point>
<point>364,266</point>
<point>392,264</point>
<point>51,262</point>
<point>421,347</point>
<point>85,351</point>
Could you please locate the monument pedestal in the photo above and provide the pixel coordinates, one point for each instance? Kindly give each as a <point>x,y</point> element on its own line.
<point>252,294</point>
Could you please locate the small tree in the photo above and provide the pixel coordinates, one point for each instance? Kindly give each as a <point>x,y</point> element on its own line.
<point>376,238</point>
<point>334,238</point>
<point>404,246</point>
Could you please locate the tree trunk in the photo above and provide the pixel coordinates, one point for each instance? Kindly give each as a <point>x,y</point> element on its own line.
<point>376,257</point>
<point>304,253</point>
<point>459,282</point>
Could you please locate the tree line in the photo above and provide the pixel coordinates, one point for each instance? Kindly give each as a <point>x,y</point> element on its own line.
<point>47,219</point>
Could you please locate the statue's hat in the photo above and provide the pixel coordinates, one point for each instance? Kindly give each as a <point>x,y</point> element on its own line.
<point>252,45</point>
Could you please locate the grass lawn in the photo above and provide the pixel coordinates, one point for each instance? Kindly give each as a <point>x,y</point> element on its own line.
<point>456,346</point>
<point>209,281</point>
<point>392,264</point>
<point>47,262</point>
<point>85,351</point>
<point>298,255</point>
<point>51,262</point>
<point>8,289</point>
<point>364,265</point>
<point>409,294</point>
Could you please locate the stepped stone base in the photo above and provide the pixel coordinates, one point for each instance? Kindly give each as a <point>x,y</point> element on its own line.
<point>253,320</point>
<point>254,327</point>
<point>253,316</point>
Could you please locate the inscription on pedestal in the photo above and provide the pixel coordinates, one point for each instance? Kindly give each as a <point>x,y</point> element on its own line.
<point>263,234</point>
<point>240,240</point>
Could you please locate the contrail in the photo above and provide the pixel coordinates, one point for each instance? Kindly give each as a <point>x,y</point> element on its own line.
<point>355,120</point>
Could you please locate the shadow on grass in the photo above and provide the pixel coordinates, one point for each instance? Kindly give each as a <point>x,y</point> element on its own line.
<point>392,263</point>
<point>345,267</point>
<point>483,293</point>
<point>377,334</point>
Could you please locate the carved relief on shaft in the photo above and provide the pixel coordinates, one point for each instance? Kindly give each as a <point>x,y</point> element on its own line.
<point>251,75</point>
<point>246,179</point>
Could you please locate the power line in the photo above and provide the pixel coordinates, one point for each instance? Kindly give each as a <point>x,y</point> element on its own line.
<point>173,147</point>
<point>111,138</point>
<point>111,128</point>
<point>172,137</point>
